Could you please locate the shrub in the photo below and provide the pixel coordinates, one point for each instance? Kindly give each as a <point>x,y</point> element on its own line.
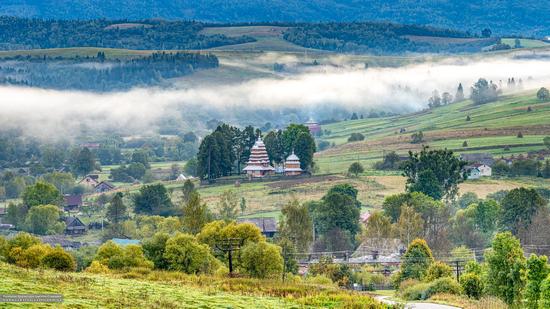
<point>544,301</point>
<point>416,292</point>
<point>445,285</point>
<point>21,241</point>
<point>438,270</point>
<point>154,250</point>
<point>416,260</point>
<point>473,267</point>
<point>3,248</point>
<point>116,257</point>
<point>60,260</point>
<point>30,257</point>
<point>97,268</point>
<point>472,285</point>
<point>319,279</point>
<point>107,251</point>
<point>356,168</point>
<point>84,256</point>
<point>417,138</point>
<point>405,284</point>
<point>355,137</point>
<point>262,260</point>
<point>370,280</point>
<point>184,253</point>
<point>537,271</point>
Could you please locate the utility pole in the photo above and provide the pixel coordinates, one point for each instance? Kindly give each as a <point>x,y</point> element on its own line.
<point>229,245</point>
<point>457,271</point>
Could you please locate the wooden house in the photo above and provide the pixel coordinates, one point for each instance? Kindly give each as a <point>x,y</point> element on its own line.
<point>90,181</point>
<point>104,186</point>
<point>72,202</point>
<point>268,226</point>
<point>74,226</point>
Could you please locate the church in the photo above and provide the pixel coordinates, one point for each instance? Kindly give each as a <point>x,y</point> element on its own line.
<point>259,165</point>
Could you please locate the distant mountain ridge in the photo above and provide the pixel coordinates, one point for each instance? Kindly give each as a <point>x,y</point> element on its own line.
<point>526,17</point>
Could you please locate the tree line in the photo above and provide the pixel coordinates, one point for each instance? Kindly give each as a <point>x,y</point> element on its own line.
<point>101,73</point>
<point>22,33</point>
<point>380,38</point>
<point>225,151</point>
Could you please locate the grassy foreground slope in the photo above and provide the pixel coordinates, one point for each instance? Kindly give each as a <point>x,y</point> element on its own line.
<point>171,290</point>
<point>491,128</point>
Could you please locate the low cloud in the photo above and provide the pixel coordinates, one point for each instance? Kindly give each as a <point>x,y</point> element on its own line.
<point>315,91</point>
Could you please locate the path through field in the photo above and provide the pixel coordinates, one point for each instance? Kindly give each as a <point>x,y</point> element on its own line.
<point>385,299</point>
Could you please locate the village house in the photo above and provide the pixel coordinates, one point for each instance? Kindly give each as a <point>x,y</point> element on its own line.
<point>388,250</point>
<point>482,158</point>
<point>74,226</point>
<point>3,212</point>
<point>268,226</point>
<point>103,186</point>
<point>484,170</point>
<point>90,181</point>
<point>72,202</point>
<point>258,164</point>
<point>125,242</point>
<point>63,242</point>
<point>473,173</point>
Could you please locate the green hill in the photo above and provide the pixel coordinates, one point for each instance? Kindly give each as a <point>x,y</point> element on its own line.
<point>491,128</point>
<point>508,16</point>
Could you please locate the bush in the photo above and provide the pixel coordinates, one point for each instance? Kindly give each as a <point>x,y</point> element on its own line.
<point>417,138</point>
<point>472,285</point>
<point>262,260</point>
<point>355,137</point>
<point>30,257</point>
<point>370,280</point>
<point>356,168</point>
<point>438,270</point>
<point>445,285</point>
<point>416,260</point>
<point>319,279</point>
<point>415,292</point>
<point>84,256</point>
<point>60,260</point>
<point>405,284</point>
<point>116,257</point>
<point>97,268</point>
<point>184,253</point>
<point>544,301</point>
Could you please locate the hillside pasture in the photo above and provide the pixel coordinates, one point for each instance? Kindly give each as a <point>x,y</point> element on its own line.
<point>156,289</point>
<point>492,128</point>
<point>525,43</point>
<point>268,38</point>
<point>442,40</point>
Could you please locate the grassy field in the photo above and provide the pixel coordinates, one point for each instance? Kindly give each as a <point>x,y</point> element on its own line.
<point>525,43</point>
<point>170,290</point>
<point>492,127</point>
<point>267,38</point>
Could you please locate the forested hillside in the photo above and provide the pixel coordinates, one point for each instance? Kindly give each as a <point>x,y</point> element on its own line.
<point>101,73</point>
<point>503,17</point>
<point>21,33</point>
<point>384,38</point>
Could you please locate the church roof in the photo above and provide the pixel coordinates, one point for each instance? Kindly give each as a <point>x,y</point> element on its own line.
<point>259,159</point>
<point>293,157</point>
